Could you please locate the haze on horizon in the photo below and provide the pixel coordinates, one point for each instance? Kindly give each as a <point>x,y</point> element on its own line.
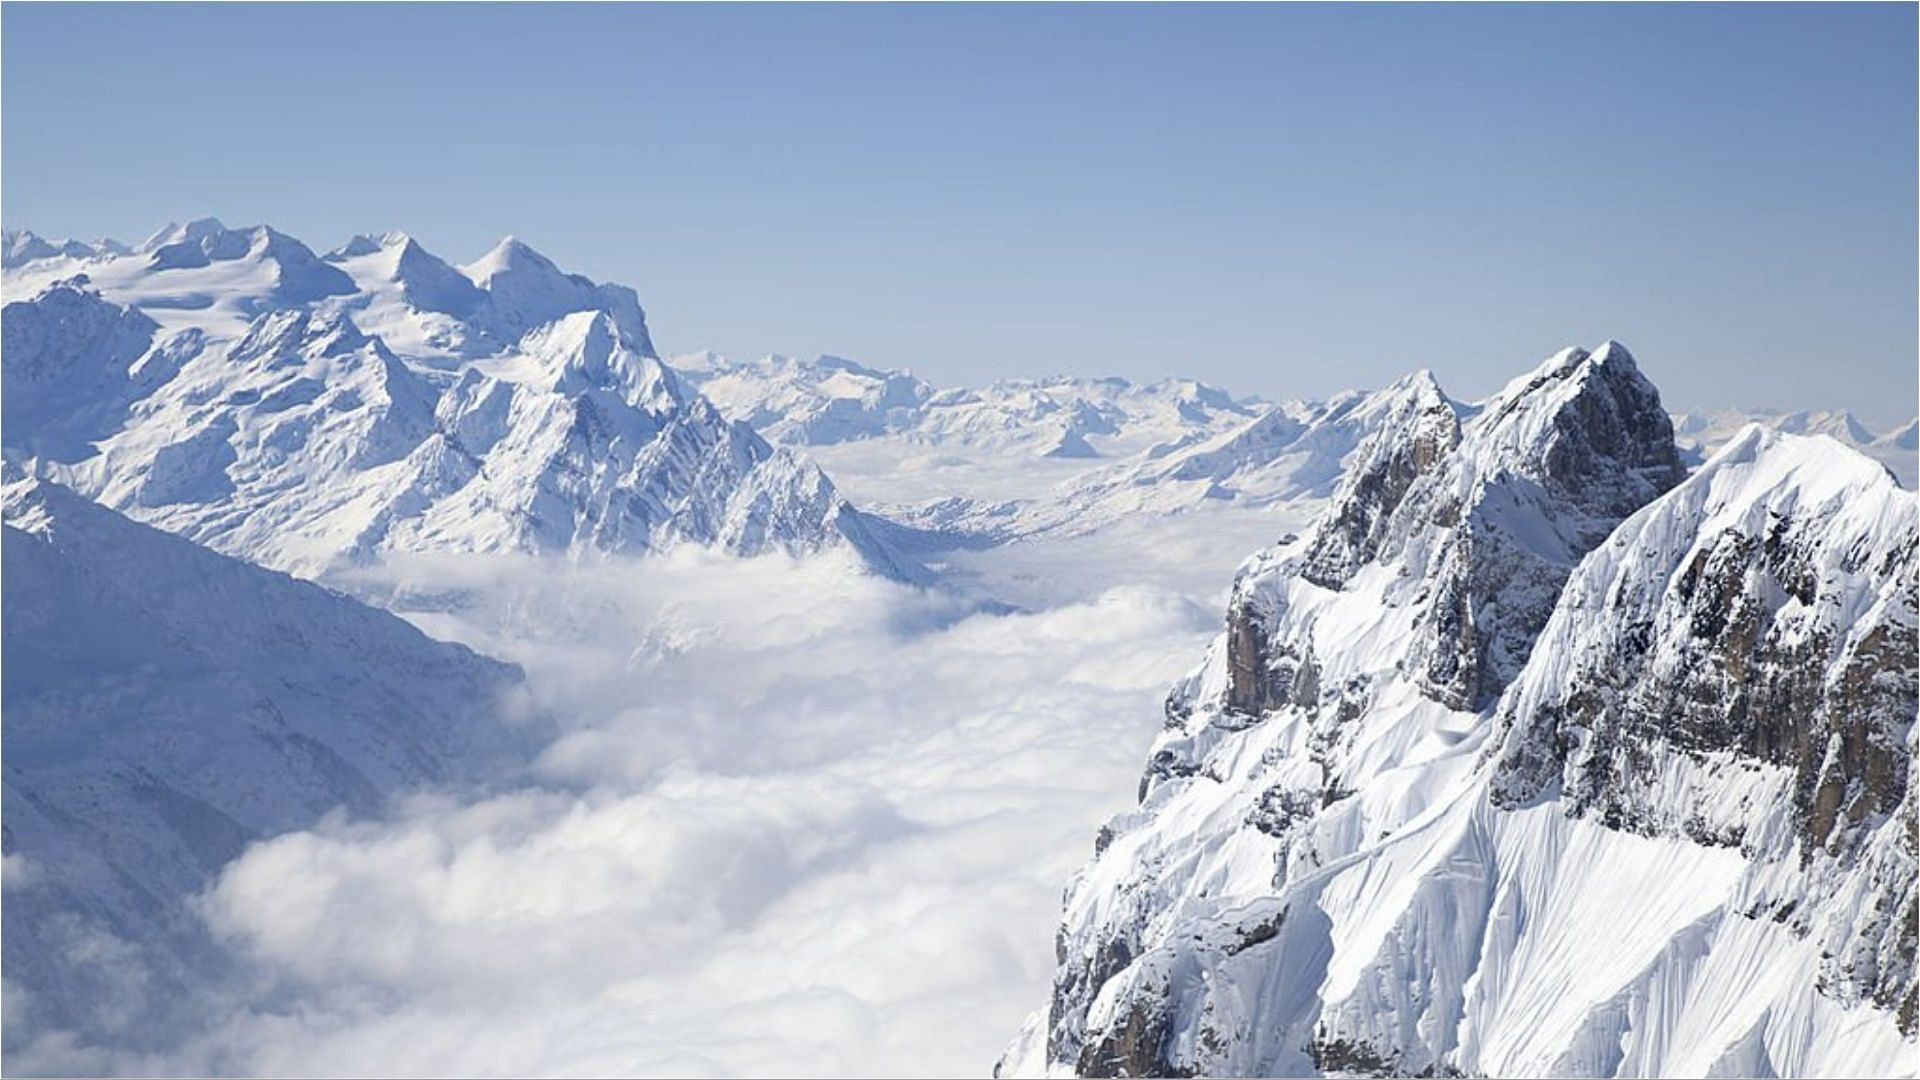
<point>1286,201</point>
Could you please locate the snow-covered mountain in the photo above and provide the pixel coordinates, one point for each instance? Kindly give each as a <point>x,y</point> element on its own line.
<point>1536,757</point>
<point>1068,456</point>
<point>1701,433</point>
<point>815,402</point>
<point>1573,738</point>
<point>830,400</point>
<point>1078,453</point>
<point>165,706</point>
<point>20,248</point>
<point>301,412</point>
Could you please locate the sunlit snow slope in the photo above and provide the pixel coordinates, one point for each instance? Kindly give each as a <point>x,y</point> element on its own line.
<point>304,412</point>
<point>1535,758</point>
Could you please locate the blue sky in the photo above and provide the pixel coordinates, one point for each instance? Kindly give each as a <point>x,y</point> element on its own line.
<point>1286,200</point>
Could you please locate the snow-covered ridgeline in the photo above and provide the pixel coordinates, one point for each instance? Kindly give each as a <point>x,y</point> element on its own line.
<point>300,412</point>
<point>1109,448</point>
<point>1423,811</point>
<point>1700,434</point>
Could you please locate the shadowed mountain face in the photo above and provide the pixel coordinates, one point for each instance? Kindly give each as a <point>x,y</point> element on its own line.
<point>165,706</point>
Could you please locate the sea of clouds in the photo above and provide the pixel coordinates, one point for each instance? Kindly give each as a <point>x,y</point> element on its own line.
<point>791,819</point>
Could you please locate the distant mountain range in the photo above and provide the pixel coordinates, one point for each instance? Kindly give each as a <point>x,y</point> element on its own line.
<point>306,413</point>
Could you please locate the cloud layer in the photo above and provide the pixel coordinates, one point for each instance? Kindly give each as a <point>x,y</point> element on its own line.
<point>795,820</point>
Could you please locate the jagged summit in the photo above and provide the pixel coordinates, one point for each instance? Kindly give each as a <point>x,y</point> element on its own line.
<point>586,351</point>
<point>1502,775</point>
<point>1574,419</point>
<point>1417,428</point>
<point>525,289</point>
<point>427,282</point>
<point>230,386</point>
<point>175,233</point>
<point>1488,515</point>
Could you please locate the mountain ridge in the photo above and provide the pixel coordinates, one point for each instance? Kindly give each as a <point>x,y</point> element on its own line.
<point>1347,858</point>
<point>308,414</point>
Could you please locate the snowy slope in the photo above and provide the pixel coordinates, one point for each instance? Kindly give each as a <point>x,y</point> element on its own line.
<point>986,464</point>
<point>809,402</point>
<point>301,412</point>
<point>1385,832</point>
<point>164,706</point>
<point>1060,457</point>
<point>829,400</point>
<point>1700,434</point>
<point>1736,666</point>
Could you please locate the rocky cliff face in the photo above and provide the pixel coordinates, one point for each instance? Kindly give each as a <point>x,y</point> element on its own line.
<point>1420,429</point>
<point>1737,667</point>
<point>1423,811</point>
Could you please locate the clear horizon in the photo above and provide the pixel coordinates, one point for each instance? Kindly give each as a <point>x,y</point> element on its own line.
<point>1286,202</point>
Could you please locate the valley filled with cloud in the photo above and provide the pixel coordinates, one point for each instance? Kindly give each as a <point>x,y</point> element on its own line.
<point>787,808</point>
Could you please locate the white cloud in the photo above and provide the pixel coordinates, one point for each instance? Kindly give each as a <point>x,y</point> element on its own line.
<point>17,871</point>
<point>796,820</point>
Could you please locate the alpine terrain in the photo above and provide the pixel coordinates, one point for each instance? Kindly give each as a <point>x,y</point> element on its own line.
<point>307,413</point>
<point>1537,756</point>
<point>1550,734</point>
<point>167,705</point>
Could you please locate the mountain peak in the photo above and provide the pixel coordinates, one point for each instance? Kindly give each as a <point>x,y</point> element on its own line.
<point>524,290</point>
<point>363,244</point>
<point>1420,385</point>
<point>1612,351</point>
<point>1580,422</point>
<point>1416,434</point>
<point>1816,461</point>
<point>358,245</point>
<point>1487,517</point>
<point>509,255</point>
<point>428,282</point>
<point>175,233</point>
<point>586,351</point>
